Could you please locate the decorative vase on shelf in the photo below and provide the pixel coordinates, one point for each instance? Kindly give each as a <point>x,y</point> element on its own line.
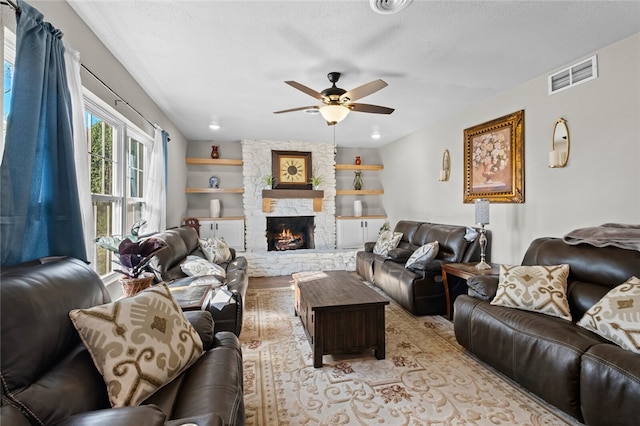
<point>357,181</point>
<point>357,208</point>
<point>358,161</point>
<point>214,151</point>
<point>213,182</point>
<point>214,207</point>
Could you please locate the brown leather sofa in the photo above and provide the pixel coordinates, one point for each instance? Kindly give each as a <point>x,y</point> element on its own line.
<point>49,378</point>
<point>183,242</point>
<point>586,376</point>
<point>421,292</point>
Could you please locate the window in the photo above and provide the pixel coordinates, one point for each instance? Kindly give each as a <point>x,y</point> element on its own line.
<point>9,60</point>
<point>117,158</point>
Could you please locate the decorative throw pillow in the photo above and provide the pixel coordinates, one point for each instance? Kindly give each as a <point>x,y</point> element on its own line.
<point>388,240</point>
<point>541,289</point>
<point>616,317</point>
<point>138,343</point>
<point>422,256</point>
<point>215,250</point>
<point>195,266</point>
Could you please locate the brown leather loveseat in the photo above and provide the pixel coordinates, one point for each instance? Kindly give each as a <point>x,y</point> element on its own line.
<point>586,376</point>
<point>421,291</point>
<point>166,265</point>
<point>49,378</point>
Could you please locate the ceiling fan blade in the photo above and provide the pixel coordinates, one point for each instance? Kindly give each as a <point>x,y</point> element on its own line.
<point>364,90</point>
<point>297,109</point>
<point>375,109</point>
<point>305,89</point>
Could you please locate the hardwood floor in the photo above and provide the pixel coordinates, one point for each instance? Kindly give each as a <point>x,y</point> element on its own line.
<point>270,282</point>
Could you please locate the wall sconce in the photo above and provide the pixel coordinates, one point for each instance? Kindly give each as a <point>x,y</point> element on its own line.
<point>445,170</point>
<point>559,154</point>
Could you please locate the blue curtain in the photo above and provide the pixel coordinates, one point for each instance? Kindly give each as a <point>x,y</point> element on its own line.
<point>40,210</point>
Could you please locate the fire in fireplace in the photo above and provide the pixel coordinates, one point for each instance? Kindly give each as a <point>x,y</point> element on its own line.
<point>290,233</point>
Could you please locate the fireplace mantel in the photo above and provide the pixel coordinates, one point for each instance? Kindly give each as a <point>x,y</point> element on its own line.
<point>269,195</point>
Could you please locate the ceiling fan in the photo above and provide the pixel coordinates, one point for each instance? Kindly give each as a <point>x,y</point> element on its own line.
<point>337,102</point>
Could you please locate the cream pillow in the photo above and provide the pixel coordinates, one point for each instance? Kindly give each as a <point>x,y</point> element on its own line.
<point>138,343</point>
<point>195,266</point>
<point>422,256</point>
<point>541,289</point>
<point>616,317</point>
<point>215,250</point>
<point>388,240</point>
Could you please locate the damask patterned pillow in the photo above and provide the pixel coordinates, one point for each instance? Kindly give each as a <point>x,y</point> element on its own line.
<point>388,240</point>
<point>422,256</point>
<point>138,343</point>
<point>195,266</point>
<point>215,249</point>
<point>616,317</point>
<point>541,289</point>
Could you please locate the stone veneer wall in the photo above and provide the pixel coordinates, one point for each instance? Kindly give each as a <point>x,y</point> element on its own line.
<point>256,157</point>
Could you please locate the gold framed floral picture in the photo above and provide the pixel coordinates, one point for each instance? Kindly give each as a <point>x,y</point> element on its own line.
<point>494,160</point>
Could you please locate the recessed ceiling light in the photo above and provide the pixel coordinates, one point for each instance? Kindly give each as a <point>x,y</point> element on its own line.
<point>386,7</point>
<point>376,136</point>
<point>312,111</point>
<point>214,126</point>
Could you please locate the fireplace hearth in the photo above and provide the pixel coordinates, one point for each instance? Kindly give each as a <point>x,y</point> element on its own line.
<point>290,233</point>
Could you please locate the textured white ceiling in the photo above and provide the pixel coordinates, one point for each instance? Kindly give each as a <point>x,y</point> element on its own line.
<point>226,61</point>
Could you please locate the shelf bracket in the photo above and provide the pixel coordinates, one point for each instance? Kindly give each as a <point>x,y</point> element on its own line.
<point>317,204</point>
<point>267,205</point>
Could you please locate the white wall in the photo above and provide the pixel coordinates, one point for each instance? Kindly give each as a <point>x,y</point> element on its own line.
<point>95,56</point>
<point>600,184</point>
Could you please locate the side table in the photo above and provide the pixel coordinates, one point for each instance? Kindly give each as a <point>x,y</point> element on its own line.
<point>191,298</point>
<point>464,271</point>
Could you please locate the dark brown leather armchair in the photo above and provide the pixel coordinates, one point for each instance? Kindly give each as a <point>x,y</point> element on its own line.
<point>48,376</point>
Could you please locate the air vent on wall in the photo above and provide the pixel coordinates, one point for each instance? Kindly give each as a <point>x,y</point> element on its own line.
<point>575,74</point>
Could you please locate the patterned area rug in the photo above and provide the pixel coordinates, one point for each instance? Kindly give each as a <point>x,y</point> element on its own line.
<point>426,378</point>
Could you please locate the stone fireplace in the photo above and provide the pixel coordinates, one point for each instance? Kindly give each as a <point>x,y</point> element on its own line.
<point>322,254</point>
<point>290,233</point>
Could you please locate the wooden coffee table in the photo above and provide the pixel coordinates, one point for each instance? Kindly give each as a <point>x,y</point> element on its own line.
<point>339,313</point>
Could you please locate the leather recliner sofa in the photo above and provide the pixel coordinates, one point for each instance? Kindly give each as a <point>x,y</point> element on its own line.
<point>166,265</point>
<point>586,376</point>
<point>49,378</point>
<point>421,292</point>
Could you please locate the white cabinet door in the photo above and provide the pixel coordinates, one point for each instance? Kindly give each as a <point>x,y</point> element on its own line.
<point>349,233</point>
<point>371,230</point>
<point>232,231</point>
<point>206,229</point>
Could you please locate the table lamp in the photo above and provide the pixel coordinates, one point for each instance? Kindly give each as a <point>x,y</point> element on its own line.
<point>482,219</point>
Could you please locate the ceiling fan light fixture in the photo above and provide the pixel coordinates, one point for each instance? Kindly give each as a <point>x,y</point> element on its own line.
<point>334,113</point>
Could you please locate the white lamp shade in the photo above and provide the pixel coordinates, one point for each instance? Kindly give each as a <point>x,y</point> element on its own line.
<point>334,113</point>
<point>482,211</point>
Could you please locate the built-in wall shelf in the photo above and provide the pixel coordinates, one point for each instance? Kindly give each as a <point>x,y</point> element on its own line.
<point>359,167</point>
<point>220,218</point>
<point>214,190</point>
<point>369,216</point>
<point>359,192</point>
<point>214,161</point>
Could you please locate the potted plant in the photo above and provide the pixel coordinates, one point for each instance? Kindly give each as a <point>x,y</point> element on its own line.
<point>315,181</point>
<point>268,180</point>
<point>133,256</point>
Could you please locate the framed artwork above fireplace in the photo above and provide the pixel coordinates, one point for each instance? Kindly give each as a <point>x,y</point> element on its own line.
<point>291,169</point>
